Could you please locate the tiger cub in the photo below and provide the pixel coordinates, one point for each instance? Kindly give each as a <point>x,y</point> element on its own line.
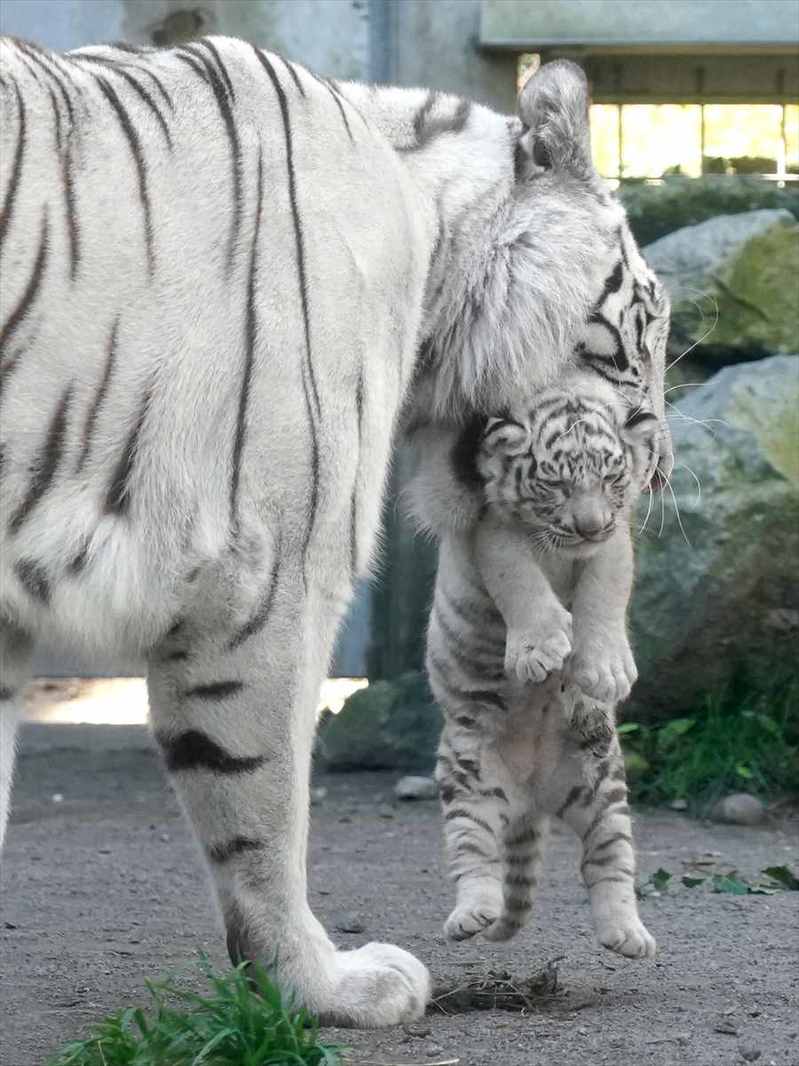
<point>527,655</point>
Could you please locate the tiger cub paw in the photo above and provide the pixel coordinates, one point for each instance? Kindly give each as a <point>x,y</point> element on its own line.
<point>476,910</point>
<point>630,938</point>
<point>604,670</point>
<point>531,655</point>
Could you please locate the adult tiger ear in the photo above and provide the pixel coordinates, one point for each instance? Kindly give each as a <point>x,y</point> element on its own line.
<point>553,106</point>
<point>640,427</point>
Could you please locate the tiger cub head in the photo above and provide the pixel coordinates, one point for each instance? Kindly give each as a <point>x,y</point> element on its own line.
<point>570,467</point>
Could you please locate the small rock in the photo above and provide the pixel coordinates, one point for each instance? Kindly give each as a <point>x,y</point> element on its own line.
<point>416,788</point>
<point>350,923</point>
<point>724,1025</point>
<point>417,1031</point>
<point>57,797</point>
<point>386,812</point>
<point>751,1054</point>
<point>739,809</point>
<point>10,925</point>
<point>317,795</point>
<point>679,805</point>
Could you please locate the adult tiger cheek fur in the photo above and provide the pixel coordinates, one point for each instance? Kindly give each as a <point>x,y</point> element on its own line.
<point>220,275</point>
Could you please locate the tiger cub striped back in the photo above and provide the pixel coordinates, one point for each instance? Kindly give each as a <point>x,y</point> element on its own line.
<point>528,655</point>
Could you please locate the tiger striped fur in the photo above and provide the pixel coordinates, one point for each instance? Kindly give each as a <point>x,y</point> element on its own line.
<point>528,655</point>
<point>222,275</point>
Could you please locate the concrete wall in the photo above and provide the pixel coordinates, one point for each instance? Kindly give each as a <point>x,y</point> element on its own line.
<point>672,24</point>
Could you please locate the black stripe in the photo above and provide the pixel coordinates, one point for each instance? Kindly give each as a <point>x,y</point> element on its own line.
<point>117,500</point>
<point>354,500</point>
<point>28,297</point>
<point>237,846</point>
<point>250,336</point>
<point>222,102</point>
<point>77,564</point>
<point>35,54</point>
<point>427,130</point>
<point>572,797</point>
<point>293,74</point>
<point>45,464</point>
<point>612,283</point>
<point>461,812</point>
<point>33,577</point>
<point>134,144</point>
<point>261,617</point>
<point>194,750</point>
<point>337,99</point>
<point>615,795</point>
<point>99,396</point>
<point>7,693</point>
<point>197,67</point>
<point>56,119</point>
<point>70,209</point>
<point>309,378</point>
<point>205,43</point>
<point>214,690</point>
<point>148,100</point>
<point>159,86</point>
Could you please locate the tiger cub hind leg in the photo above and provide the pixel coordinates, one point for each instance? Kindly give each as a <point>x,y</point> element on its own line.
<point>523,846</point>
<point>479,802</point>
<point>591,798</point>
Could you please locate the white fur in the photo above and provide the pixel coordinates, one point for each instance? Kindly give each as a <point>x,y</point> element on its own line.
<point>444,247</point>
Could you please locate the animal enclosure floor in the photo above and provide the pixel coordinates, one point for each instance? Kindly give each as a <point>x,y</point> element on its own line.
<point>103,886</point>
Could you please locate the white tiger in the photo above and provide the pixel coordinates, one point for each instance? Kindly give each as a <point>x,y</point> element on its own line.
<point>527,655</point>
<point>220,275</point>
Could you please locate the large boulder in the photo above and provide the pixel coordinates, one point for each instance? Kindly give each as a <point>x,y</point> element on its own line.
<point>391,725</point>
<point>733,285</point>
<point>718,599</point>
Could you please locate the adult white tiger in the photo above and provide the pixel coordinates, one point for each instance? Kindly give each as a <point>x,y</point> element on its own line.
<point>217,272</point>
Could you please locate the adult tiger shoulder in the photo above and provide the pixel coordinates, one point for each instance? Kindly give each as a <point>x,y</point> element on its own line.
<point>221,274</point>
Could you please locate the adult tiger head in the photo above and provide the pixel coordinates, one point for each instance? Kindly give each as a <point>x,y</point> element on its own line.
<point>530,277</point>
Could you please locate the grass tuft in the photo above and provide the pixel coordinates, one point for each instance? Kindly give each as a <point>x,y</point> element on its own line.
<point>241,1021</point>
<point>737,742</point>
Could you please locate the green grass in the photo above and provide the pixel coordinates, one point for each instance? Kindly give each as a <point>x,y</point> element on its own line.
<point>241,1021</point>
<point>736,742</point>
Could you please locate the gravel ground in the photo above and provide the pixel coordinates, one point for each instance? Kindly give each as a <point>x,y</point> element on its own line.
<point>102,886</point>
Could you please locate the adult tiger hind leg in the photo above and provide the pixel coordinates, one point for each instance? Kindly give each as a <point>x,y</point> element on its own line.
<point>233,708</point>
<point>15,649</point>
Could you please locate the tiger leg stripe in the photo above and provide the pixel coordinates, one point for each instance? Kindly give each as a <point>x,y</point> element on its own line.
<point>608,861</point>
<point>258,620</point>
<point>221,853</point>
<point>215,690</point>
<point>194,750</point>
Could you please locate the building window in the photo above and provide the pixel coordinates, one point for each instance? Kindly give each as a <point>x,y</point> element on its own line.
<point>636,141</point>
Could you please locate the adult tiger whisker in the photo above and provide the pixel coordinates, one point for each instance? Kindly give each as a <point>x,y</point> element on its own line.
<point>648,512</point>
<point>696,479</point>
<point>704,337</point>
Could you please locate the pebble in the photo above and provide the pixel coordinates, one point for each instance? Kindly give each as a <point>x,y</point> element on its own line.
<point>350,923</point>
<point>385,812</point>
<point>416,788</point>
<point>317,795</point>
<point>679,805</point>
<point>739,809</point>
<point>751,1054</point>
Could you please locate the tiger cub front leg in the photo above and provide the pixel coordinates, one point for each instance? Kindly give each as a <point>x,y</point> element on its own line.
<point>539,637</point>
<point>602,664</point>
<point>592,800</point>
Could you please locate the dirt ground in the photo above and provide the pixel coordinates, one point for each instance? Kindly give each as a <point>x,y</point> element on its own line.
<point>102,886</point>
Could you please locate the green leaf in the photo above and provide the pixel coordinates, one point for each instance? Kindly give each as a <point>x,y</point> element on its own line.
<point>692,882</point>
<point>674,730</point>
<point>628,727</point>
<point>730,884</point>
<point>783,876</point>
<point>660,879</point>
<point>743,771</point>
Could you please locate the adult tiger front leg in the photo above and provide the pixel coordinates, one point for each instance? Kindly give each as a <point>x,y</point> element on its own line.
<point>234,710</point>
